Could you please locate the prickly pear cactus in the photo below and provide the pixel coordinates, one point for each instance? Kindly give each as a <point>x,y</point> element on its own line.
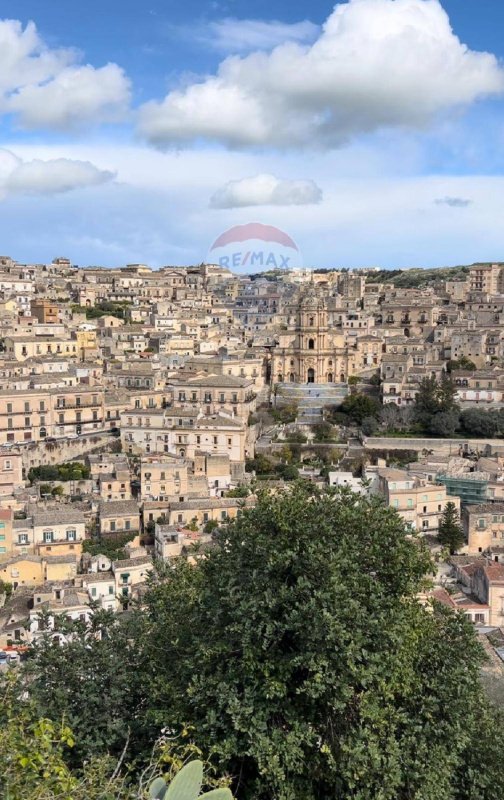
<point>186,785</point>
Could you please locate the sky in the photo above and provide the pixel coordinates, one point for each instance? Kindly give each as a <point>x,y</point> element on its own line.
<point>371,131</point>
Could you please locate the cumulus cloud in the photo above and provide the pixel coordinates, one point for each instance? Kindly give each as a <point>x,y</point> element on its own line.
<point>376,63</point>
<point>47,177</point>
<point>232,35</point>
<point>49,88</point>
<point>454,202</point>
<point>262,190</point>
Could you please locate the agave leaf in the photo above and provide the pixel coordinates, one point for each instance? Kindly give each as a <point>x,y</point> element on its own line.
<point>217,794</point>
<point>186,784</point>
<point>157,789</point>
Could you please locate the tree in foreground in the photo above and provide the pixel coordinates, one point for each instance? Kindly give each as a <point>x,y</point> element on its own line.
<point>450,533</point>
<point>300,655</point>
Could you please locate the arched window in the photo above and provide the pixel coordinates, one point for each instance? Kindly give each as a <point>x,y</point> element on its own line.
<point>280,378</point>
<point>311,344</point>
<point>311,375</point>
<point>291,377</point>
<point>330,378</point>
<point>311,322</point>
<point>330,362</point>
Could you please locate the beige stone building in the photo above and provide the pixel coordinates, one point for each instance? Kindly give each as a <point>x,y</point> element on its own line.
<point>418,502</point>
<point>484,527</point>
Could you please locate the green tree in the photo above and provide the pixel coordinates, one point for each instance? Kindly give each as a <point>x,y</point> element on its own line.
<point>369,426</point>
<point>287,471</point>
<point>323,432</point>
<point>450,532</point>
<point>461,363</point>
<point>308,667</point>
<point>95,682</point>
<point>477,422</point>
<point>436,409</point>
<point>358,406</point>
<point>443,423</point>
<point>261,464</point>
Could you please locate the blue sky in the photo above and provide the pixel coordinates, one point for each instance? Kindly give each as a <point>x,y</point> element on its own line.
<point>139,134</point>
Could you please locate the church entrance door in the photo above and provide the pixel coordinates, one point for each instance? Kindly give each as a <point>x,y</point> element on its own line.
<point>311,375</point>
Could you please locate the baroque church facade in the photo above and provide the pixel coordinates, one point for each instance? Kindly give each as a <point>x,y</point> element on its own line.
<point>310,350</point>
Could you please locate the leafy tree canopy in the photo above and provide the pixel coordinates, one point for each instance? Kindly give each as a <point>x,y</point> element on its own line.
<point>477,422</point>
<point>358,406</point>
<point>307,666</point>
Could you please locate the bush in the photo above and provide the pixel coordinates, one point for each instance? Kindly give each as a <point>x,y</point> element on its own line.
<point>323,432</point>
<point>359,406</point>
<point>239,491</point>
<point>287,471</point>
<point>112,548</point>
<point>72,471</point>
<point>261,465</point>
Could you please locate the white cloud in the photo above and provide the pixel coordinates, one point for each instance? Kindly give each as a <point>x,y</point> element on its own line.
<point>453,202</point>
<point>46,87</point>
<point>376,64</point>
<point>47,177</point>
<point>232,35</point>
<point>264,190</point>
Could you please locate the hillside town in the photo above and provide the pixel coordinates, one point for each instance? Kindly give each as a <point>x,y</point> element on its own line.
<point>140,410</point>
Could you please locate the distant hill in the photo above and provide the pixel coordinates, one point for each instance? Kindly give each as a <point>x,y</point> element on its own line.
<point>414,278</point>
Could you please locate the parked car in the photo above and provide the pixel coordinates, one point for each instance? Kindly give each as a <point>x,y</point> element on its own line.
<point>3,656</point>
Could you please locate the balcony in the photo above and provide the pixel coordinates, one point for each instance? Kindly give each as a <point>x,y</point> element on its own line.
<point>82,404</point>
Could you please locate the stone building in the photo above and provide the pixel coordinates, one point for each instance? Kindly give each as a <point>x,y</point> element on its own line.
<point>309,351</point>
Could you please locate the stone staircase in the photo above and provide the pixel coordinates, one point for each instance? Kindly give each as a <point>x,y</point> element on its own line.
<point>311,399</point>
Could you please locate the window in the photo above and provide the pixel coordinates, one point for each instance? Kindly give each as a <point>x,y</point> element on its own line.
<point>9,408</point>
<point>127,525</point>
<point>71,535</point>
<point>112,525</point>
<point>311,344</point>
<point>111,590</point>
<point>48,536</point>
<point>27,408</point>
<point>7,465</point>
<point>479,618</point>
<point>482,524</point>
<point>93,592</point>
<point>396,503</point>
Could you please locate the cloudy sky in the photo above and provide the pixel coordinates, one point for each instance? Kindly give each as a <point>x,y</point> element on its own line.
<point>371,131</point>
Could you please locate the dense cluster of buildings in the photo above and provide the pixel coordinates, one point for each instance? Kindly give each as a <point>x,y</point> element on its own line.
<point>159,383</point>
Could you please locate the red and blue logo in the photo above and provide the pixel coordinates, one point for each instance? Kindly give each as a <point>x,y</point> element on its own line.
<point>253,248</point>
